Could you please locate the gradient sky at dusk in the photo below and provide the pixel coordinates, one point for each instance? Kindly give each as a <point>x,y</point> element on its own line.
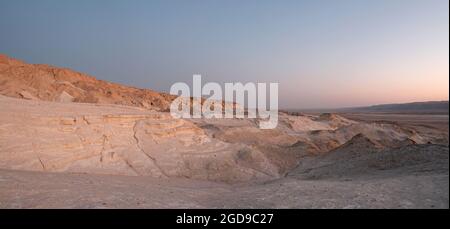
<point>323,53</point>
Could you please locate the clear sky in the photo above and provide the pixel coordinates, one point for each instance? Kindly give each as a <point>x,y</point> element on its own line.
<point>323,53</point>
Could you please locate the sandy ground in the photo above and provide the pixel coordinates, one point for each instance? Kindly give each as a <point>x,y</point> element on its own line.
<point>19,189</point>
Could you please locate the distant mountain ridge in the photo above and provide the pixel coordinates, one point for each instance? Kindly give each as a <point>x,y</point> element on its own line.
<point>414,107</point>
<point>429,107</point>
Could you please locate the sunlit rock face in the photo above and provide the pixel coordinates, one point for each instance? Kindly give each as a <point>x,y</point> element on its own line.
<point>44,82</point>
<point>58,120</point>
<point>111,139</point>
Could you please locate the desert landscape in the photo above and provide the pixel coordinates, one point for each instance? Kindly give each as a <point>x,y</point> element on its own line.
<point>68,140</point>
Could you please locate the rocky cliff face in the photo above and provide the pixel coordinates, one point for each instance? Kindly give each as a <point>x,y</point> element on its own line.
<point>123,140</point>
<point>119,140</point>
<point>121,130</point>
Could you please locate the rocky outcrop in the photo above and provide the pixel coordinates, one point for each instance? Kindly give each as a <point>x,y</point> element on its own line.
<point>124,141</point>
<point>66,121</point>
<point>37,81</point>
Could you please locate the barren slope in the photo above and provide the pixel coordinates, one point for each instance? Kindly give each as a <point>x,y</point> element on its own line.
<point>44,82</point>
